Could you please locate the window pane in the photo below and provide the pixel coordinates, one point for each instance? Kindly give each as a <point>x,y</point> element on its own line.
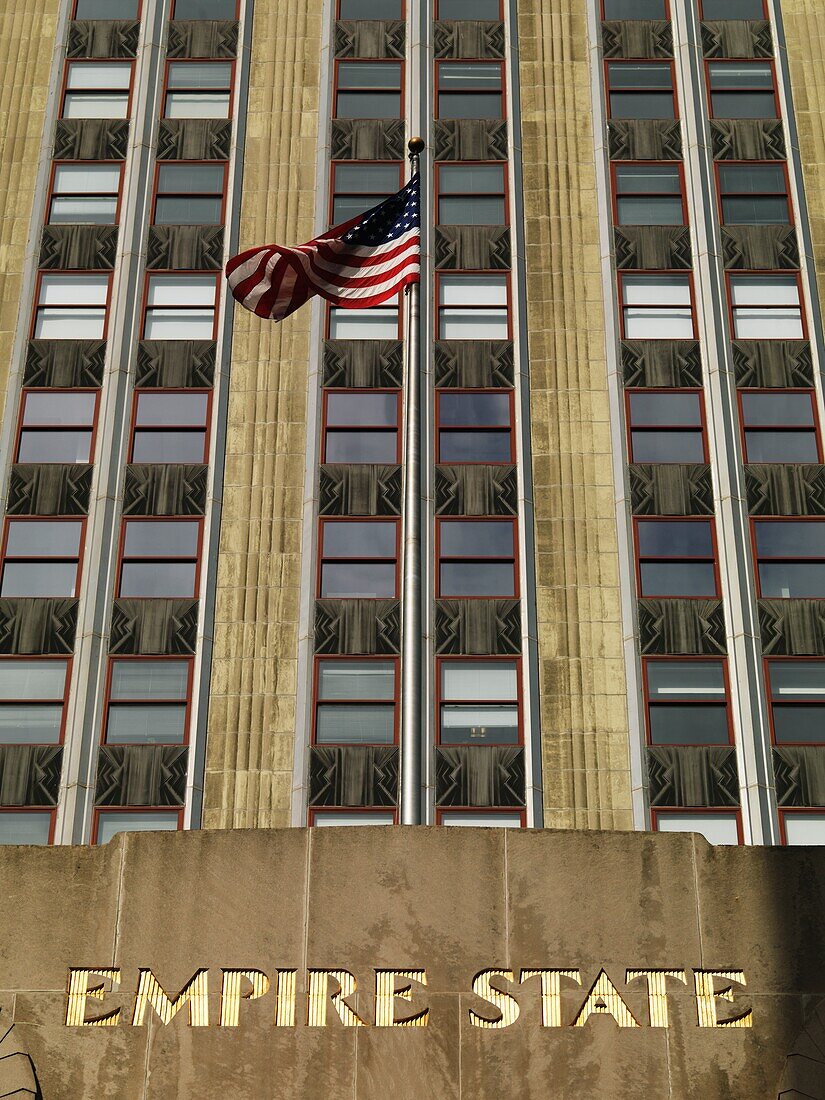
<point>83,211</point>
<point>365,74</point>
<point>141,725</point>
<point>365,409</point>
<point>63,408</point>
<point>649,210</point>
<point>73,290</point>
<point>673,539</point>
<point>732,9</point>
<point>339,680</point>
<point>169,446</point>
<point>743,105</point>
<point>158,579</point>
<point>95,105</point>
<point>98,74</point>
<point>355,725</point>
<point>476,538</point>
<point>764,290</point>
<point>796,725</point>
<point>641,105</point>
<point>477,579</point>
<point>60,539</point>
<point>466,446</point>
<point>759,210</point>
<point>30,724</point>
<point>804,828</point>
<point>106,9</point>
<point>677,579</point>
<point>200,74</point>
<point>110,823</point>
<point>181,290</point>
<point>781,446</point>
<point>363,324</point>
<point>475,290</point>
<point>679,725</point>
<point>149,680</point>
<point>475,725</point>
<point>353,539</point>
<point>362,580</point>
<point>70,324</point>
<point>635,9</point>
<point>672,409</point>
<point>752,179</point>
<point>667,446</point>
<point>797,681</point>
<point>672,323</point>
<point>660,290</point>
<point>32,679</point>
<point>179,324</point>
<point>58,446</point>
<point>478,179</point>
<point>476,324</point>
<point>86,179</point>
<point>190,179</point>
<point>737,75</point>
<point>359,179</point>
<point>642,179</point>
<point>715,828</point>
<point>638,75</point>
<point>361,446</point>
<point>181,409</point>
<point>474,409</point>
<point>465,105</point>
<point>685,680</point>
<point>197,105</point>
<point>161,538</point>
<point>347,207</point>
<point>789,580</point>
<point>205,9</point>
<point>480,819</point>
<point>25,827</point>
<point>479,680</point>
<point>471,210</point>
<point>339,818</point>
<point>371,9</point>
<point>767,324</point>
<point>39,579</point>
<point>778,408</point>
<point>469,9</point>
<point>791,539</point>
<point>189,211</point>
<point>466,76</point>
<point>368,105</point>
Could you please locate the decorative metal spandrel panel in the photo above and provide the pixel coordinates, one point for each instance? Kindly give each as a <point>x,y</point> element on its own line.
<point>78,247</point>
<point>792,628</point>
<point>747,139</point>
<point>357,626</point>
<point>91,139</point>
<point>104,38</point>
<point>149,627</point>
<point>30,626</point>
<point>644,139</point>
<point>359,490</point>
<point>370,38</point>
<point>363,364</point>
<point>141,775</point>
<point>637,38</point>
<point>65,364</point>
<point>474,364</point>
<point>477,627</point>
<point>194,139</point>
<point>165,490</point>
<point>662,363</point>
<point>185,248</point>
<point>799,771</point>
<point>681,626</point>
<point>760,247</point>
<point>476,491</point>
<point>49,490</point>
<point>470,139</point>
<point>692,775</point>
<point>472,247</point>
<point>30,774</point>
<point>652,247</point>
<point>202,38</point>
<point>666,489</point>
<point>737,38</point>
<point>777,489</point>
<point>479,775</point>
<point>367,139</point>
<point>353,775</point>
<point>177,364</point>
<point>474,38</point>
<point>773,364</point>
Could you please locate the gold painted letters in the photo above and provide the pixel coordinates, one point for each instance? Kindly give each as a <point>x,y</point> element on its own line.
<point>318,995</point>
<point>707,995</point>
<point>507,1005</point>
<point>551,992</point>
<point>386,991</point>
<point>79,991</point>
<point>657,992</point>
<point>231,995</point>
<point>605,999</point>
<point>195,993</point>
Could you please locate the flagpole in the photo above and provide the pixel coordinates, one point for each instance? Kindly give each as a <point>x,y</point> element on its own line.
<point>411,594</point>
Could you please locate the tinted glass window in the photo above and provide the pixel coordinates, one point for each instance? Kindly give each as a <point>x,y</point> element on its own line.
<point>732,9</point>
<point>157,680</point>
<point>25,827</point>
<point>671,409</point>
<point>469,9</point>
<point>359,540</point>
<point>635,9</point>
<point>362,409</point>
<point>106,9</point>
<point>205,9</point>
<point>648,195</point>
<point>110,823</point>
<point>474,409</point>
<point>161,539</point>
<point>370,9</point>
<point>477,539</point>
<point>670,539</point>
<point>791,539</point>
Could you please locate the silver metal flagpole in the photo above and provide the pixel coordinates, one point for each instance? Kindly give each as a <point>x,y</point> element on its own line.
<point>411,595</point>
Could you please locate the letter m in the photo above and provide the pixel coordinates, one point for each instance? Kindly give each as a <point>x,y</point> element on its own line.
<point>195,993</point>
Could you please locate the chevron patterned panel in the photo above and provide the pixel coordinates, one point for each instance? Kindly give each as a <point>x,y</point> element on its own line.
<point>792,628</point>
<point>367,139</point>
<point>747,139</point>
<point>357,626</point>
<point>652,247</point>
<point>470,139</point>
<point>363,364</point>
<point>185,248</point>
<point>477,626</point>
<point>799,771</point>
<point>476,491</point>
<point>175,364</point>
<point>353,775</point>
<point>671,489</point>
<point>662,363</point>
<point>91,139</point>
<point>473,38</point>
<point>692,775</point>
<point>64,364</point>
<point>474,364</point>
<point>30,774</point>
<point>78,247</point>
<point>103,38</point>
<point>165,490</point>
<point>202,38</point>
<point>682,626</point>
<point>359,490</point>
<point>644,139</point>
<point>37,626</point>
<point>737,38</point>
<point>777,489</point>
<point>479,775</point>
<point>141,775</point>
<point>773,363</point>
<point>472,247</point>
<point>760,247</point>
<point>154,627</point>
<point>194,139</point>
<point>49,490</point>
<point>367,38</point>
<point>637,38</point>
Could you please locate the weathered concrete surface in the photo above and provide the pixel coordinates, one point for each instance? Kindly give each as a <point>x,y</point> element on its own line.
<point>451,901</point>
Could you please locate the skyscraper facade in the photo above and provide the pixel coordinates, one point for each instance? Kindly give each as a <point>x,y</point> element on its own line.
<point>600,434</point>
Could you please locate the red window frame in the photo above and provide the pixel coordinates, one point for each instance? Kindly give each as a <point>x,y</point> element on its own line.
<point>64,86</point>
<point>690,811</point>
<point>688,275</point>
<point>763,4</point>
<point>117,165</point>
<point>34,809</point>
<point>178,810</point>
<point>605,18</point>
<point>399,322</point>
<point>780,428</point>
<point>797,275</point>
<point>323,558</point>
<point>379,195</point>
<point>177,271</point>
<point>136,18</point>
<point>685,701</point>
<point>759,558</point>
<point>160,559</point>
<point>504,194</point>
<point>231,61</point>
<point>181,429</point>
<point>682,428</point>
<point>482,428</point>
<point>614,197</point>
<point>477,559</point>
<point>439,17</point>
<point>372,429</point>
<point>660,62</point>
<point>360,658</point>
<point>155,658</point>
<point>31,558</point>
<point>508,308</point>
<point>720,194</point>
<point>157,194</point>
<point>742,91</point>
<point>486,811</point>
<point>237,5</point>
<point>675,558</point>
<point>790,811</point>
<point>352,811</point>
<point>56,429</point>
<point>482,658</point>
<point>368,91</point>
<point>403,15</point>
<point>792,659</point>
<point>472,91</point>
<point>73,271</point>
<point>21,700</point>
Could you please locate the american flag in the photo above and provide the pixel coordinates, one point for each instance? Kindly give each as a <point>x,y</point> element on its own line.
<point>358,264</point>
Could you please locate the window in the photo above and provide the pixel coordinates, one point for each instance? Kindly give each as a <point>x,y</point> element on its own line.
<point>657,307</point>
<point>803,827</point>
<point>640,89</point>
<point>766,307</point>
<point>635,9</point>
<point>687,702</point>
<point>170,427</point>
<point>476,558</point>
<point>791,558</point>
<point>733,9</point>
<point>85,194</point>
<point>111,822</point>
<point>180,307</point>
<point>361,426</point>
<point>676,557</point>
<point>648,194</point>
<point>33,694</point>
<point>71,307</point>
<point>469,9</point>
<point>198,89</point>
<point>666,426</point>
<point>190,194</point>
<point>338,818</point>
<point>370,9</point>
<point>359,559</point>
<point>356,702</point>
<point>368,89</point>
<point>358,187</point>
<point>57,426</point>
<point>107,9</point>
<point>478,703</point>
<point>741,89</point>
<point>473,307</point>
<point>160,558</point>
<point>472,194</point>
<point>97,89</point>
<point>25,826</point>
<point>716,828</point>
<point>482,819</point>
<point>753,194</point>
<point>206,9</point>
<point>470,89</point>
<point>377,323</point>
<point>147,702</point>
<point>41,557</point>
<point>474,426</point>
<point>796,692</point>
<point>779,426</point>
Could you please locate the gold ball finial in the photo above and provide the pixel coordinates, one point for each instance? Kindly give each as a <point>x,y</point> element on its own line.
<point>416,145</point>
